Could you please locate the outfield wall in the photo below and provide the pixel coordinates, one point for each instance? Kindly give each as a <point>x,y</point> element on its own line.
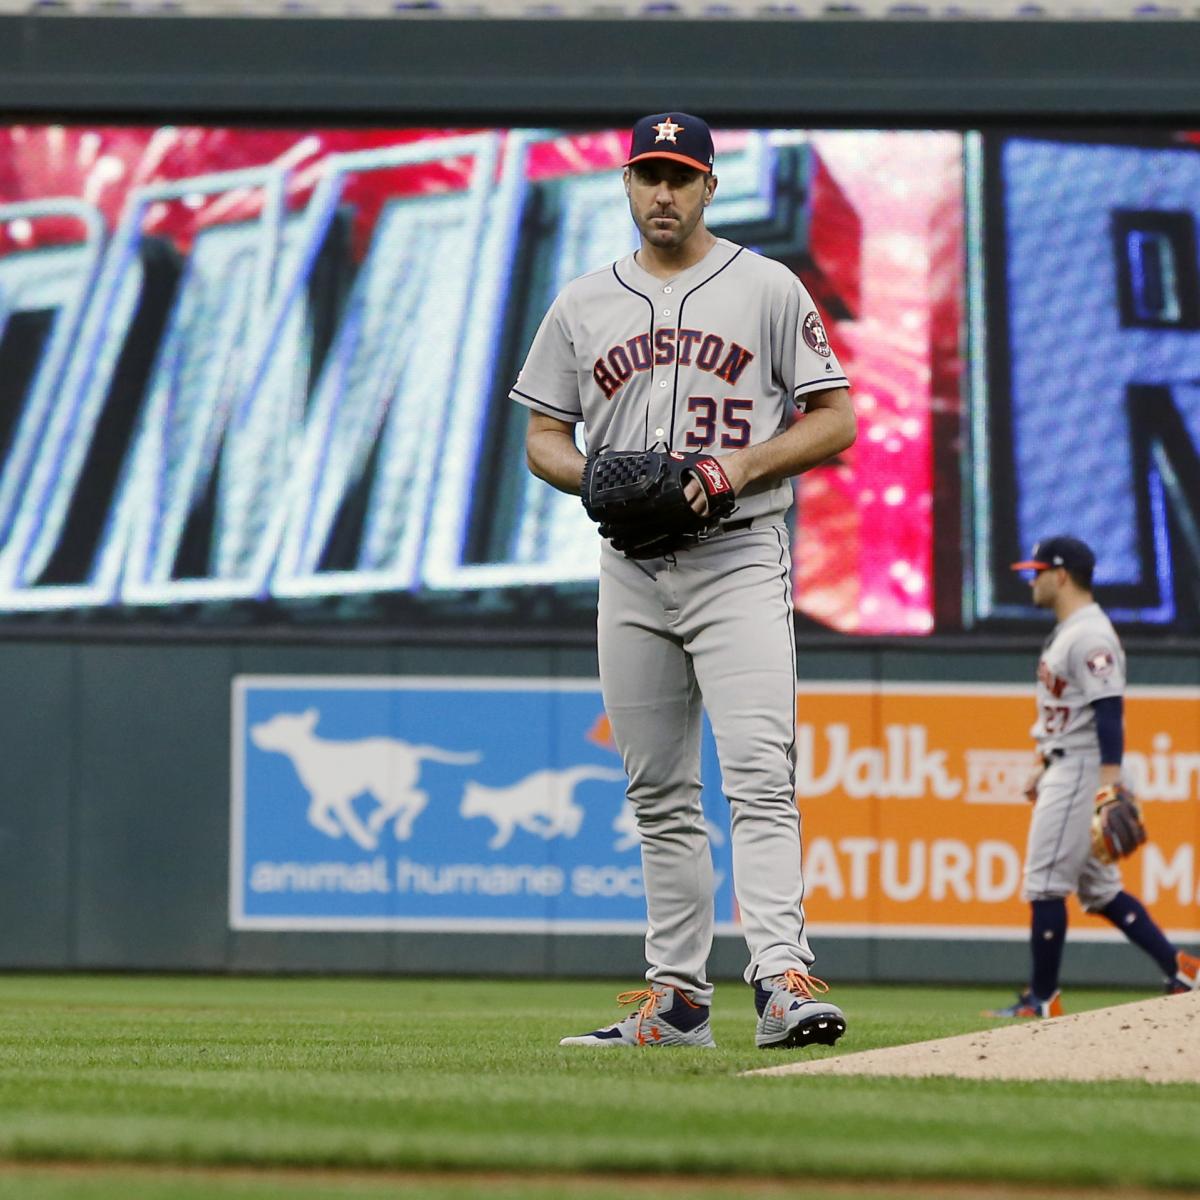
<point>119,753</point>
<point>119,760</point>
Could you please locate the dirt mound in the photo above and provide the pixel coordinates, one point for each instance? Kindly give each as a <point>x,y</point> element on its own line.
<point>1154,1040</point>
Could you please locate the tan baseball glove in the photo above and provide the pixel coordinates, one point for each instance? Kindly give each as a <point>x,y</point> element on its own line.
<point>1117,825</point>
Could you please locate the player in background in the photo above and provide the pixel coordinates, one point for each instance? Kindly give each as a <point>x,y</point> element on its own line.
<point>695,343</point>
<point>1080,734</point>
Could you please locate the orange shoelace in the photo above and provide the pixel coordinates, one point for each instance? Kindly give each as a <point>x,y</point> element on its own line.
<point>807,987</point>
<point>648,998</point>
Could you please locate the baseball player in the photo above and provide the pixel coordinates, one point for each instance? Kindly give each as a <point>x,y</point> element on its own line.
<point>693,343</point>
<point>1080,736</point>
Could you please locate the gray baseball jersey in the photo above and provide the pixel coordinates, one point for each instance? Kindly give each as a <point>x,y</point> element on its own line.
<point>1081,662</point>
<point>709,360</point>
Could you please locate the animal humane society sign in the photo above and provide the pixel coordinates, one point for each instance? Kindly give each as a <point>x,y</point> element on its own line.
<point>491,804</point>
<point>376,803</point>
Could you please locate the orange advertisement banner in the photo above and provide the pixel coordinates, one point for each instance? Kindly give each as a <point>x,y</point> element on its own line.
<point>914,821</point>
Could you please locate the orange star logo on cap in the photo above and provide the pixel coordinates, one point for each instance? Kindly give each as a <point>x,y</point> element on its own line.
<point>666,131</point>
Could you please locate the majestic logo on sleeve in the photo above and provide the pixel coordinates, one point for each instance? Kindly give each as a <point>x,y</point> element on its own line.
<point>814,335</point>
<point>666,131</point>
<point>691,347</point>
<point>1101,663</point>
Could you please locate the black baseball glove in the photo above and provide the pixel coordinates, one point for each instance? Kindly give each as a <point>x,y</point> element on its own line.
<point>1117,825</point>
<point>636,497</point>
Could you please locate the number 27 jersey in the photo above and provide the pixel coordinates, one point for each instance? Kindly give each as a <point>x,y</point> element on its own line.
<point>710,360</point>
<point>1082,661</point>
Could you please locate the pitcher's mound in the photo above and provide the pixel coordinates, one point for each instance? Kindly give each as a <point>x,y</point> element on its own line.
<point>1155,1040</point>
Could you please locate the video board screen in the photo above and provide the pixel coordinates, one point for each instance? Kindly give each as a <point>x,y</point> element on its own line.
<point>1090,417</point>
<point>256,375</point>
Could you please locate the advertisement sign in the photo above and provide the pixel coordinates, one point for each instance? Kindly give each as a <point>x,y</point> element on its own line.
<point>915,820</point>
<point>482,804</point>
<point>492,804</point>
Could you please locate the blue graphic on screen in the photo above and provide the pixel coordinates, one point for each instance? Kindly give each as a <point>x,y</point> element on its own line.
<point>52,284</point>
<point>53,281</point>
<point>203,437</point>
<point>1104,351</point>
<point>72,535</point>
<point>382,406</point>
<point>377,804</point>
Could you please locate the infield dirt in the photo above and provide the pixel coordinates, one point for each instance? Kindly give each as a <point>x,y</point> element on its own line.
<point>1157,1041</point>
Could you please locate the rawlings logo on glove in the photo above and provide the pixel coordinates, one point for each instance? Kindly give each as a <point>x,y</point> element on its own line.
<point>1117,825</point>
<point>637,498</point>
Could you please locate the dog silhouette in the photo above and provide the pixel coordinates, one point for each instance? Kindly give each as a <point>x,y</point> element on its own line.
<point>542,803</point>
<point>334,773</point>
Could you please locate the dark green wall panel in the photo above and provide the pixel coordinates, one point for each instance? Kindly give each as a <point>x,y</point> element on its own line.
<point>939,665</point>
<point>816,664</point>
<point>315,660</point>
<point>152,737</point>
<point>38,773</point>
<point>387,70</point>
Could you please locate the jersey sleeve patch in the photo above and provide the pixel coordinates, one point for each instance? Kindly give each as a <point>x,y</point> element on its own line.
<point>1101,662</point>
<point>815,337</point>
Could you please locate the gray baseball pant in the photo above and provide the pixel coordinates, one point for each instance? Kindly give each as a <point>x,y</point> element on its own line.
<point>1058,854</point>
<point>712,622</point>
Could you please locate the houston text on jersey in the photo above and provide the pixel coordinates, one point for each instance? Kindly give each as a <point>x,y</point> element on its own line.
<point>708,349</point>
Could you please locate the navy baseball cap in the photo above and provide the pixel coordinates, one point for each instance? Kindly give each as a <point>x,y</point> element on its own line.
<point>677,136</point>
<point>1060,551</point>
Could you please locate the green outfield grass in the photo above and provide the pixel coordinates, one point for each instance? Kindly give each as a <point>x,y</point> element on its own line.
<point>418,1075</point>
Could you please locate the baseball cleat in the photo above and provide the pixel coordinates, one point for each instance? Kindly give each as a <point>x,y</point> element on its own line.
<point>789,1014</point>
<point>665,1017</point>
<point>1187,974</point>
<point>1028,1005</point>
